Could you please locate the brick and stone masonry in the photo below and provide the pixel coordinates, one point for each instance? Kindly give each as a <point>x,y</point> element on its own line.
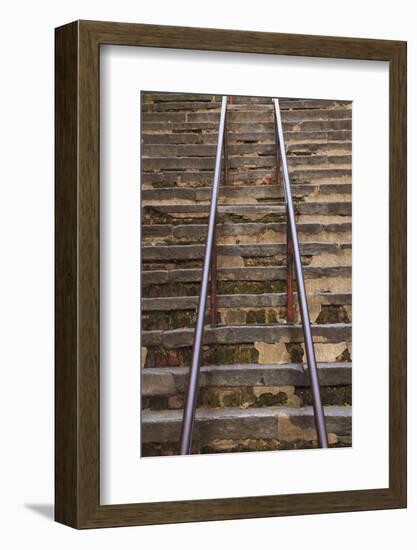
<point>254,393</point>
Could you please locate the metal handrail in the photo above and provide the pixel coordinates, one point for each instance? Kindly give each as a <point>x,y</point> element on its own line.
<point>209,271</point>
<point>191,399</point>
<point>302,296</point>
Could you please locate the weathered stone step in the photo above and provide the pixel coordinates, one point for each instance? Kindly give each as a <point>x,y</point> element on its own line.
<point>245,386</point>
<point>285,424</point>
<point>154,98</point>
<point>235,149</point>
<point>246,280</point>
<point>320,284</point>
<point>248,385</point>
<point>253,116</point>
<point>320,314</point>
<point>248,103</point>
<point>174,213</point>
<point>269,334</point>
<point>172,380</point>
<point>256,116</point>
<point>250,352</point>
<point>247,193</point>
<point>196,251</point>
<point>184,102</point>
<point>255,232</point>
<point>180,104</point>
<point>299,162</point>
<point>253,177</point>
<point>177,123</point>
<point>251,137</point>
<point>258,273</point>
<point>242,309</point>
<point>184,303</point>
<point>233,213</point>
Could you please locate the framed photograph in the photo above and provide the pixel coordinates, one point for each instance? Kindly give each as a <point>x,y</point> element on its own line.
<point>230,274</point>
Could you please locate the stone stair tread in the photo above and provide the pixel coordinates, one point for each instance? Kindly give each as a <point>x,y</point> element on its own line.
<point>170,303</point>
<point>255,172</point>
<point>237,334</point>
<point>247,229</point>
<point>258,273</point>
<point>207,162</point>
<point>239,113</point>
<point>288,104</point>
<point>171,380</point>
<point>235,148</point>
<point>222,208</point>
<point>196,251</point>
<point>340,123</point>
<point>187,101</point>
<point>255,192</point>
<point>236,423</point>
<point>312,136</point>
<point>328,207</point>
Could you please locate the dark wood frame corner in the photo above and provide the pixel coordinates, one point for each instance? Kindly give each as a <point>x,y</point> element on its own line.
<point>77,274</point>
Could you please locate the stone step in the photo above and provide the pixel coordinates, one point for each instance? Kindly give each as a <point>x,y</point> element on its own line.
<point>278,425</point>
<point>242,115</point>
<point>188,102</point>
<point>243,309</point>
<point>253,177</point>
<point>308,138</point>
<point>248,385</point>
<point>197,213</point>
<point>176,122</point>
<point>269,334</point>
<point>258,273</point>
<point>255,149</point>
<point>248,194</point>
<point>229,252</point>
<point>259,352</point>
<point>296,162</point>
<point>244,233</point>
<point>246,280</point>
<point>184,303</point>
<point>269,212</point>
<point>250,280</point>
<point>241,102</point>
<point>172,380</point>
<point>320,314</point>
<point>256,116</point>
<point>315,212</point>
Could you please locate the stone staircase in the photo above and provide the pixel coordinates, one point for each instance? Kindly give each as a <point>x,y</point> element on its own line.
<point>254,392</point>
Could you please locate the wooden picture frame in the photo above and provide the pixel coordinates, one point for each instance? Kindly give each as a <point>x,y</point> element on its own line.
<point>77,408</point>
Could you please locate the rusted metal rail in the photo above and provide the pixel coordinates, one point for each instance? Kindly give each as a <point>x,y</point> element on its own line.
<point>192,389</point>
<point>293,256</point>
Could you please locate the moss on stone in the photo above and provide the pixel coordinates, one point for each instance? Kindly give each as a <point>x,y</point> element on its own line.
<point>271,316</point>
<point>229,354</point>
<point>264,261</point>
<point>270,399</point>
<point>250,287</point>
<point>296,352</point>
<point>330,395</point>
<point>231,399</point>
<point>332,314</point>
<point>208,398</point>
<point>255,316</point>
